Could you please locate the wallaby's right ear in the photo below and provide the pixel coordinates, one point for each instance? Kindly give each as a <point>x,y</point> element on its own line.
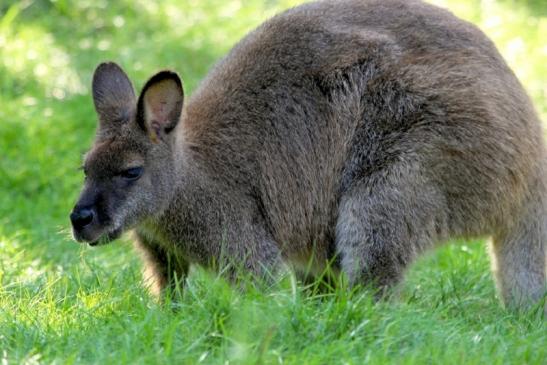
<point>160,104</point>
<point>113,95</point>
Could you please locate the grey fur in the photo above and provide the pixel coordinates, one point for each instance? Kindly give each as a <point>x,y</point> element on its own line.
<point>363,132</point>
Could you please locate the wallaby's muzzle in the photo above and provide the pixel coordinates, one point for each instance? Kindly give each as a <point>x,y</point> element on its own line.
<point>85,225</point>
<point>90,223</point>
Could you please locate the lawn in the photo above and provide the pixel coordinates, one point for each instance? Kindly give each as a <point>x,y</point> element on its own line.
<point>63,303</point>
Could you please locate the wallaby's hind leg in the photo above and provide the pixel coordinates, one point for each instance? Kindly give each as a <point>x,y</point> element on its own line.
<point>384,222</point>
<point>519,258</point>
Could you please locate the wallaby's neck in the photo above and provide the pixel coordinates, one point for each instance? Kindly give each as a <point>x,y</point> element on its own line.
<point>188,176</point>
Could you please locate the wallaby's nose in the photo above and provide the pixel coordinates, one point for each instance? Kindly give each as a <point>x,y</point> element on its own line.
<point>81,217</point>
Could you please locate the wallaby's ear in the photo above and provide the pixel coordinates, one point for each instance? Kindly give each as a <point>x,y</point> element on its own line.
<point>160,104</point>
<point>113,94</point>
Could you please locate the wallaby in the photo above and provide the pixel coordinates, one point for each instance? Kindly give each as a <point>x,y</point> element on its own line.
<point>353,133</point>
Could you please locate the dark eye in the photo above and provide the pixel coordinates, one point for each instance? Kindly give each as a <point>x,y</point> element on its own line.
<point>132,174</point>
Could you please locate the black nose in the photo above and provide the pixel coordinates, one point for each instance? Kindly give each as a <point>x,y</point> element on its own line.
<point>81,217</point>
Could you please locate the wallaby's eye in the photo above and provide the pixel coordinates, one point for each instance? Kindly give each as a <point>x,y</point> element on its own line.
<point>131,174</point>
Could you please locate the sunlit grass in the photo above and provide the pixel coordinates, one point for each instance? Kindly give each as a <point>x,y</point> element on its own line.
<point>64,303</point>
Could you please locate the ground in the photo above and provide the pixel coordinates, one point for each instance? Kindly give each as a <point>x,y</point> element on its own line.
<point>61,302</point>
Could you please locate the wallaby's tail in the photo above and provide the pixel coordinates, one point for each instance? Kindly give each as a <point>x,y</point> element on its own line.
<point>520,251</point>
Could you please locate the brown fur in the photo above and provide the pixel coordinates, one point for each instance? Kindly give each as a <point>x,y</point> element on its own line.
<point>360,132</point>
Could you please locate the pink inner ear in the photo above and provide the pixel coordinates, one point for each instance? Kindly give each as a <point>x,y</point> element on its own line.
<point>161,99</point>
<point>160,111</point>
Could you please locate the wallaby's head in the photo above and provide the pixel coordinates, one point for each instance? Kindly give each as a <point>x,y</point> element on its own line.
<point>130,170</point>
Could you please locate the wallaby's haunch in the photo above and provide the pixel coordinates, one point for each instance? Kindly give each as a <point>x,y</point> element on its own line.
<point>360,133</point>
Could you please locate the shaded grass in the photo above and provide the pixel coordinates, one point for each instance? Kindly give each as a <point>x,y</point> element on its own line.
<point>63,303</point>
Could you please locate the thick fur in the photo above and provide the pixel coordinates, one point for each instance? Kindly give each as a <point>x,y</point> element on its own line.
<point>360,133</point>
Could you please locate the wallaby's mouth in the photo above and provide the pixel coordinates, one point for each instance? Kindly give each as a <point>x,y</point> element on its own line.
<point>107,237</point>
<point>98,239</point>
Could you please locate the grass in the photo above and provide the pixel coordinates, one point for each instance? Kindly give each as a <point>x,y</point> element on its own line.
<point>64,303</point>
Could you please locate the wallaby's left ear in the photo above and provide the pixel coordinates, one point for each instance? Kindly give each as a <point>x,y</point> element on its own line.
<point>160,104</point>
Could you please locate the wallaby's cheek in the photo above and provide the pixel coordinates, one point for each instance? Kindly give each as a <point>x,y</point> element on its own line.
<point>127,203</point>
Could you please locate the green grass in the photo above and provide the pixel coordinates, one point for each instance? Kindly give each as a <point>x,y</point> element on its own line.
<point>64,303</point>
